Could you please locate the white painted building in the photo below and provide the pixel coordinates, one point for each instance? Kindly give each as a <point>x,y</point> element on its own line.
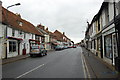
<point>19,35</point>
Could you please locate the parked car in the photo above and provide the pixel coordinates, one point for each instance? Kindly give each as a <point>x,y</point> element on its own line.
<point>70,47</point>
<point>38,50</point>
<point>65,47</point>
<point>58,47</point>
<point>74,46</point>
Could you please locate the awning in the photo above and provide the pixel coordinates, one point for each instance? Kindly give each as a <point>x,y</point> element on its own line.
<point>32,40</point>
<point>14,38</point>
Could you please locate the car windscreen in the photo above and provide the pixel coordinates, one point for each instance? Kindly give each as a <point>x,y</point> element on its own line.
<point>34,47</point>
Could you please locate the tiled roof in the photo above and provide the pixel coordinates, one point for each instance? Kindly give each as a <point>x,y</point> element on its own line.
<point>58,35</point>
<point>13,20</point>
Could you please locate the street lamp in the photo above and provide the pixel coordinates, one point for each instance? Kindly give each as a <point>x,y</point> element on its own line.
<point>14,5</point>
<point>7,24</point>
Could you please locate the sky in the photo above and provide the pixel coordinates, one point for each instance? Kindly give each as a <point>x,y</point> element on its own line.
<point>69,16</point>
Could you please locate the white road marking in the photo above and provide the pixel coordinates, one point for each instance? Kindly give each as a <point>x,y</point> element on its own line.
<point>85,68</point>
<point>30,71</point>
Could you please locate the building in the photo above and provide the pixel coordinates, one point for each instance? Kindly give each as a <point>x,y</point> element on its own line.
<point>19,34</point>
<point>101,34</point>
<point>46,38</point>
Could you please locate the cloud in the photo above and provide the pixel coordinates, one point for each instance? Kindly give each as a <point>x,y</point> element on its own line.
<point>68,16</point>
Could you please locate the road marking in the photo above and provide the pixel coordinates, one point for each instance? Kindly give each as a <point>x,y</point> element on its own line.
<point>85,66</point>
<point>88,73</point>
<point>30,71</point>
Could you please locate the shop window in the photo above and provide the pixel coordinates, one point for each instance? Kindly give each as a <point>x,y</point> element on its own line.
<point>108,46</point>
<point>12,46</point>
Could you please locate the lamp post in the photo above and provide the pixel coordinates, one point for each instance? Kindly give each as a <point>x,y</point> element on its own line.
<point>7,24</point>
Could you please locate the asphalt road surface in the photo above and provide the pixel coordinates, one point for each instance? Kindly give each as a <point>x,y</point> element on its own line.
<point>57,64</point>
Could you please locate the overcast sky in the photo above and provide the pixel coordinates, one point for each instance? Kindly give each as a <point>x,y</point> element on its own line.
<point>69,16</point>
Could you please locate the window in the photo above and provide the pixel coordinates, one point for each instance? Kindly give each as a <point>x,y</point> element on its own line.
<point>107,14</point>
<point>24,35</point>
<point>99,25</point>
<point>20,32</point>
<point>20,23</point>
<point>37,38</point>
<point>13,32</point>
<point>32,36</point>
<point>94,44</point>
<point>108,46</point>
<point>12,46</point>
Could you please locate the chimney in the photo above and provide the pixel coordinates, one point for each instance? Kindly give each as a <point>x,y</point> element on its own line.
<point>41,27</point>
<point>88,23</point>
<point>47,28</point>
<point>18,15</point>
<point>63,33</point>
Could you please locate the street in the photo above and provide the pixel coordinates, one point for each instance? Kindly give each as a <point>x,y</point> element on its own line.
<point>57,64</point>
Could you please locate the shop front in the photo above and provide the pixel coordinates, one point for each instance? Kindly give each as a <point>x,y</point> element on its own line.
<point>13,47</point>
<point>110,45</point>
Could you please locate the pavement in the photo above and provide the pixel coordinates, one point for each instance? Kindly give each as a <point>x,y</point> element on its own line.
<point>98,68</point>
<point>13,59</point>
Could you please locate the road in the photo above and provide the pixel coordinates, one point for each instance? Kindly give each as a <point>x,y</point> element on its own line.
<point>57,64</point>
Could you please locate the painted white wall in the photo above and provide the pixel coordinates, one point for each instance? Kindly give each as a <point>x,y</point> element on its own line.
<point>9,32</point>
<point>47,38</point>
<point>2,41</point>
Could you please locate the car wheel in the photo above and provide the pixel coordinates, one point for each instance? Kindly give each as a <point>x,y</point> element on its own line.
<point>46,53</point>
<point>31,55</point>
<point>42,54</point>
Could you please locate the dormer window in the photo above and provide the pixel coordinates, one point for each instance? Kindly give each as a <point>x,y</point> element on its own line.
<point>20,23</point>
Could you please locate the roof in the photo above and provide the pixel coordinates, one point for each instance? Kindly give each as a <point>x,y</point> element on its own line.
<point>13,21</point>
<point>59,35</point>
